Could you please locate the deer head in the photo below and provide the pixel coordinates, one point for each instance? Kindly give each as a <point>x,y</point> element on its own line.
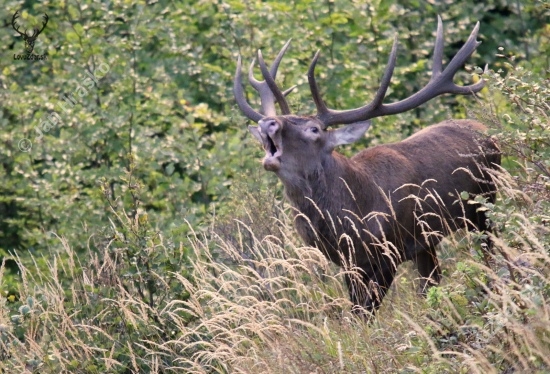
<point>294,143</point>
<point>29,39</point>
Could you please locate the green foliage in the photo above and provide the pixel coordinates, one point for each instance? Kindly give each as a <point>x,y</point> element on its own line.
<point>182,255</point>
<point>106,312</point>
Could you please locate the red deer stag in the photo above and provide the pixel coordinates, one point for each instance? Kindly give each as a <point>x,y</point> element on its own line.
<point>387,204</point>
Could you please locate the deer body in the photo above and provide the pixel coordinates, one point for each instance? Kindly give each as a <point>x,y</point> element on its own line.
<point>387,204</point>
<point>340,194</point>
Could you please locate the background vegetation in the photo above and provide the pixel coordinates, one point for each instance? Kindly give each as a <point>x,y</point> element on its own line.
<point>140,235</point>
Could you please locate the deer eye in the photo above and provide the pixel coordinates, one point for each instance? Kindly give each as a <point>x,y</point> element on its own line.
<point>314,130</point>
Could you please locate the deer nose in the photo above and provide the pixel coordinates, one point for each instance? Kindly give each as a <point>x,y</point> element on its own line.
<point>269,126</point>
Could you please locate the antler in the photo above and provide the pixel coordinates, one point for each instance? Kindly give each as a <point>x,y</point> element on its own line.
<point>441,82</point>
<point>13,23</point>
<point>268,96</point>
<point>36,32</point>
<point>270,80</point>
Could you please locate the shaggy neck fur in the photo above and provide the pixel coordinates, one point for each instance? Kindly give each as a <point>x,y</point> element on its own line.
<point>321,195</point>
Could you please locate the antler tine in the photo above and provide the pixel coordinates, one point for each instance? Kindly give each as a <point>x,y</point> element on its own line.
<point>315,94</point>
<point>386,78</point>
<point>438,50</point>
<point>37,32</point>
<point>441,82</point>
<point>264,88</point>
<point>266,96</point>
<point>14,24</point>
<point>253,81</point>
<point>239,96</point>
<point>463,54</point>
<point>285,93</point>
<point>278,59</point>
<point>46,18</point>
<point>273,86</point>
<point>328,116</point>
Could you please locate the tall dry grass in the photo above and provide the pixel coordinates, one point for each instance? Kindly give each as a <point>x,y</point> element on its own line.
<point>268,304</point>
<point>265,304</point>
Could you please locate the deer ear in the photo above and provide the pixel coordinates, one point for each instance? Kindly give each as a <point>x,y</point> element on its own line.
<point>255,130</point>
<point>348,134</point>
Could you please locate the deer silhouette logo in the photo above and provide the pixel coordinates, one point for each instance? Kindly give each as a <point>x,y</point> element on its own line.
<point>29,39</point>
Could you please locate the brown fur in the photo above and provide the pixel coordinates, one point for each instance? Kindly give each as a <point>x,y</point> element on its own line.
<point>374,205</point>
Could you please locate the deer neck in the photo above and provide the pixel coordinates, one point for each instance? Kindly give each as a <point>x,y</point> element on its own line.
<point>328,185</point>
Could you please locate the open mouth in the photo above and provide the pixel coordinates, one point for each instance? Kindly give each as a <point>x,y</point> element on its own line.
<point>273,152</point>
<point>270,146</point>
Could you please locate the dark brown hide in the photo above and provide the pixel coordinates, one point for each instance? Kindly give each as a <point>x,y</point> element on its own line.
<point>353,196</point>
